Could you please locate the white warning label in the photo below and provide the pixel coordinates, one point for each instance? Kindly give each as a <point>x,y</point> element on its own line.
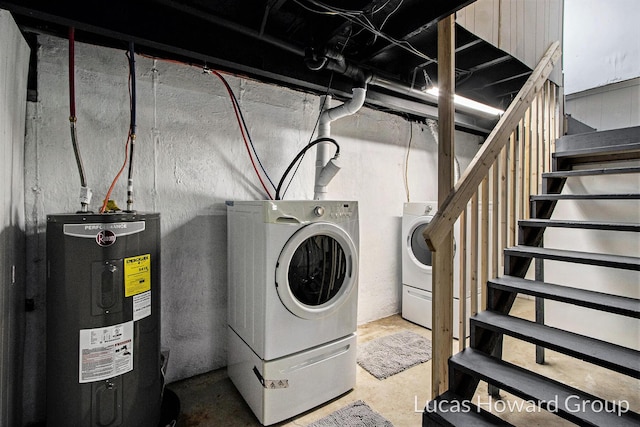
<point>106,352</point>
<point>141,305</point>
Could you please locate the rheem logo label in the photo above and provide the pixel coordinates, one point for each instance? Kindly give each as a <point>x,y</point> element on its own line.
<point>105,238</point>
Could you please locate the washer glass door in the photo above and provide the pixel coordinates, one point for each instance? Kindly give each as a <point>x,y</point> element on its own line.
<point>317,270</point>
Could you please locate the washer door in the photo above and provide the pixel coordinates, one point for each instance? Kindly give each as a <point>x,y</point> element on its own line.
<point>317,270</point>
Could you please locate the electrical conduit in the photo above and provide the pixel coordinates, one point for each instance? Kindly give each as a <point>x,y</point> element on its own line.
<point>323,161</point>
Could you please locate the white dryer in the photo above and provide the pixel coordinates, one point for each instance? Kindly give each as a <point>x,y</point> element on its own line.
<point>292,303</point>
<point>417,266</point>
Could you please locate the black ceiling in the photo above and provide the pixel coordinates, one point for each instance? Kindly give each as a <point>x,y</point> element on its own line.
<point>392,43</point>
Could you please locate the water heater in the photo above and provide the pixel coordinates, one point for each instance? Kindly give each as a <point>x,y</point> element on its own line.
<point>103,320</point>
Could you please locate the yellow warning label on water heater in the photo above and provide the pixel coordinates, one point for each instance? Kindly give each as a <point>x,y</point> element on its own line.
<point>137,275</point>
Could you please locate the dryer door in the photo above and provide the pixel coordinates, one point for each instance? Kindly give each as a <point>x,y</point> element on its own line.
<point>417,247</point>
<point>317,270</point>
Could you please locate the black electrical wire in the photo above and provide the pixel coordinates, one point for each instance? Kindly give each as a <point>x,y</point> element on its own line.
<point>132,77</point>
<point>253,148</point>
<point>244,131</point>
<point>299,155</point>
<point>312,132</point>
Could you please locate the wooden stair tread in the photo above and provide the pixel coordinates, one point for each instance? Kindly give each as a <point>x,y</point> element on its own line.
<point>546,391</point>
<point>585,298</point>
<point>594,171</point>
<point>601,353</point>
<point>592,225</point>
<point>446,410</point>
<point>604,260</point>
<point>629,196</point>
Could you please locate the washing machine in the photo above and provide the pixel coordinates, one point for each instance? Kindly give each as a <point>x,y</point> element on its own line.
<point>417,267</point>
<point>292,303</point>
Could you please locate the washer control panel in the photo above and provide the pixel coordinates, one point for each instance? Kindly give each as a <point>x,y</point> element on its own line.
<point>342,210</point>
<point>305,211</point>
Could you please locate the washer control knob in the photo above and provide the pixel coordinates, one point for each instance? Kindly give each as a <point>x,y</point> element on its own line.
<point>318,211</point>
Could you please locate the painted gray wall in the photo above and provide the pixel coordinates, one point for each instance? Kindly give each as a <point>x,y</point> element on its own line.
<point>14,66</point>
<point>189,160</point>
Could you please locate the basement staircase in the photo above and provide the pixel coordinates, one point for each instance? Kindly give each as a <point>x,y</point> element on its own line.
<point>576,155</point>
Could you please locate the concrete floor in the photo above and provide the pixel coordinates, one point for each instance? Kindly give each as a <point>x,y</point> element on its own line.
<point>212,400</point>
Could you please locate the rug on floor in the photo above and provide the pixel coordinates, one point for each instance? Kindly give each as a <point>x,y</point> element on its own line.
<point>356,414</point>
<point>389,355</point>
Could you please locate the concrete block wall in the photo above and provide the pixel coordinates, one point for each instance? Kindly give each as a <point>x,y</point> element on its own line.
<point>189,160</point>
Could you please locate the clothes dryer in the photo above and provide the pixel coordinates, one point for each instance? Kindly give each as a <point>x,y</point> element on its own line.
<point>417,269</point>
<point>292,301</point>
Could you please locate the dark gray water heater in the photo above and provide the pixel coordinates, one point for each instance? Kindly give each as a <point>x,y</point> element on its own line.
<point>103,320</point>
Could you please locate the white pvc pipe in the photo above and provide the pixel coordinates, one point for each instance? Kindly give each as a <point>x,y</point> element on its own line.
<point>323,152</point>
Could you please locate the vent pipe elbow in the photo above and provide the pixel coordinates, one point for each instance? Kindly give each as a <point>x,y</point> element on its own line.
<point>327,168</point>
<point>348,108</point>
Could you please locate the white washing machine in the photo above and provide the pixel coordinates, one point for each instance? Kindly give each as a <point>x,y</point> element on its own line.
<point>292,303</point>
<point>417,267</point>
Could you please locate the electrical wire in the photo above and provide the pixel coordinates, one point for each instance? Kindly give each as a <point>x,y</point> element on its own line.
<point>132,126</point>
<point>406,162</point>
<point>128,155</point>
<point>242,129</point>
<point>103,209</point>
<point>239,117</point>
<point>310,139</point>
<point>315,126</point>
<point>299,155</point>
<point>360,19</point>
<point>253,148</point>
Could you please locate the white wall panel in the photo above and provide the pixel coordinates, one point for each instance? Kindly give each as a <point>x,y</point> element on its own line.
<point>523,28</point>
<point>612,106</point>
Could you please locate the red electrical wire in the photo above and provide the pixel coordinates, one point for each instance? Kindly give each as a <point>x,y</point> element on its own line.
<point>244,137</point>
<point>235,110</point>
<point>113,183</point>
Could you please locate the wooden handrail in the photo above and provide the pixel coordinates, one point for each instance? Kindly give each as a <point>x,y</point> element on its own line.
<point>442,223</point>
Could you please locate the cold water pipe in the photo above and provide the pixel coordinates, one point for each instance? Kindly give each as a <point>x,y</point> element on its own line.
<point>85,191</point>
<point>326,167</point>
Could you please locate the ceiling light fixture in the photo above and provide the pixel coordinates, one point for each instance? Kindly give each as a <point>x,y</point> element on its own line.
<point>470,103</point>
